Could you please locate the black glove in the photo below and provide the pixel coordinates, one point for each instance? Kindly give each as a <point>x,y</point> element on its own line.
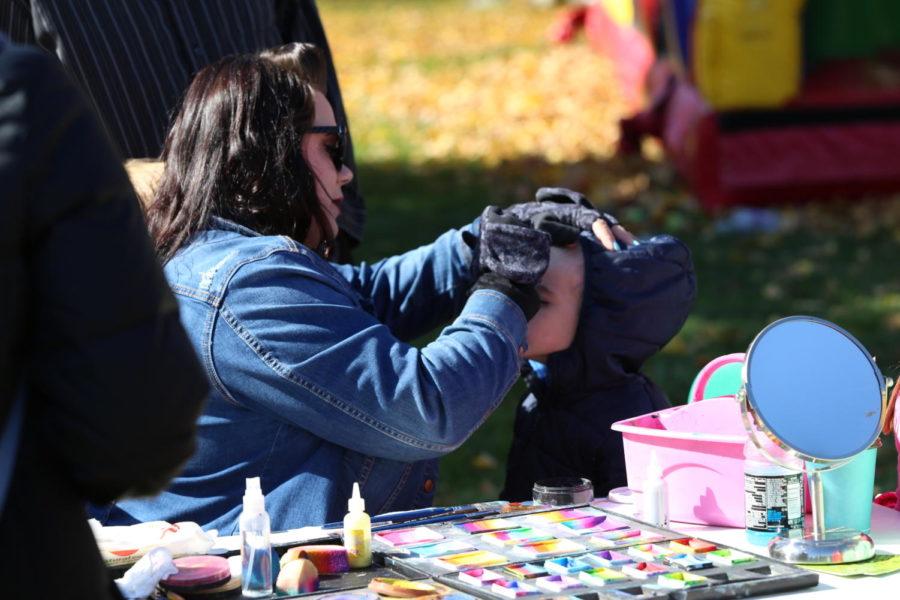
<point>509,247</point>
<point>566,206</point>
<point>522,294</point>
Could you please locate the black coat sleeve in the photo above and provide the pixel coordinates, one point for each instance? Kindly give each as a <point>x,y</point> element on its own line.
<point>111,374</point>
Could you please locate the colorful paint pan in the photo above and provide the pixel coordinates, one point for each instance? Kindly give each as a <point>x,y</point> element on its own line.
<point>725,558</point>
<point>608,558</point>
<point>524,571</point>
<point>546,548</point>
<point>617,534</point>
<point>487,525</point>
<point>520,535</point>
<point>645,570</point>
<point>592,524</point>
<point>513,589</point>
<point>691,545</point>
<point>688,562</point>
<point>649,552</point>
<point>401,588</point>
<point>602,576</point>
<point>197,573</point>
<point>566,514</point>
<point>440,548</point>
<point>479,577</point>
<point>567,565</point>
<point>680,581</point>
<point>470,560</point>
<point>557,583</point>
<point>409,536</point>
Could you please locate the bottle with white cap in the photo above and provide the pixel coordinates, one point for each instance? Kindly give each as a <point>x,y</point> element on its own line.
<point>256,549</point>
<point>655,498</point>
<point>358,531</point>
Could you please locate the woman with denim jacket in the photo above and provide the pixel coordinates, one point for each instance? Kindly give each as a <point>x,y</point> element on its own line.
<point>314,383</point>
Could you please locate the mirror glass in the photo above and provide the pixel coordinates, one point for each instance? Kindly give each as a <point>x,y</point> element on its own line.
<point>815,388</point>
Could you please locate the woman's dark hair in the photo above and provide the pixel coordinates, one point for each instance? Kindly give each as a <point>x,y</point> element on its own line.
<point>304,59</point>
<point>234,151</point>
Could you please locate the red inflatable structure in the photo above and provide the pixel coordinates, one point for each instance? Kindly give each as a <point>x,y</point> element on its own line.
<point>839,134</point>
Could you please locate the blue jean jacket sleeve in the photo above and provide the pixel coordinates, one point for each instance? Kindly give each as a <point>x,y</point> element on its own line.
<point>416,291</point>
<point>296,346</point>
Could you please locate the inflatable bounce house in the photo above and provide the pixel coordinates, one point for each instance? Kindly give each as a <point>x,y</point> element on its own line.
<point>759,101</point>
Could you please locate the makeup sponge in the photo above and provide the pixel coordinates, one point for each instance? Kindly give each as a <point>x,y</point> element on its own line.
<point>326,559</point>
<point>197,573</point>
<point>297,576</point>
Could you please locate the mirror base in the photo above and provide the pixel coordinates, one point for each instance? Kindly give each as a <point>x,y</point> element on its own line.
<point>834,547</point>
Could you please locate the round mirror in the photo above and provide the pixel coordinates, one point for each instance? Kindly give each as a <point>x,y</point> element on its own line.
<point>815,388</point>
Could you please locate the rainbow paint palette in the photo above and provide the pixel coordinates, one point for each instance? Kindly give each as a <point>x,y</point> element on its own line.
<point>520,535</point>
<point>555,553</point>
<point>487,525</point>
<point>513,589</point>
<point>469,560</point>
<point>567,565</point>
<point>409,536</point>
<point>568,514</point>
<point>680,581</point>
<point>608,558</point>
<point>556,584</point>
<point>602,576</point>
<point>440,548</point>
<point>479,577</point>
<point>524,571</point>
<point>552,547</point>
<point>645,570</point>
<point>727,558</point>
<point>691,546</point>
<point>591,524</point>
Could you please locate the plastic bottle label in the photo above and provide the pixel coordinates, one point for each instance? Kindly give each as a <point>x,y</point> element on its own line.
<point>357,543</point>
<point>774,502</point>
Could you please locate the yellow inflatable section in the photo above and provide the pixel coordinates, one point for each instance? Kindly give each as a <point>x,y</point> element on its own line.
<point>747,53</point>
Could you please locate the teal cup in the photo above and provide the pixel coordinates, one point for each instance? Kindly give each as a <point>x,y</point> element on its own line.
<point>848,492</point>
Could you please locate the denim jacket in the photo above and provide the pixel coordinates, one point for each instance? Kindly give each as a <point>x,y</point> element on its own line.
<point>314,383</point>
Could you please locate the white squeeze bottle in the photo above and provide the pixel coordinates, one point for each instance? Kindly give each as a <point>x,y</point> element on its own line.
<point>357,531</point>
<point>655,499</point>
<point>256,551</point>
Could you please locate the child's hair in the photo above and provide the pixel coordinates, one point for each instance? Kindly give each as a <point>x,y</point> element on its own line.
<point>144,174</point>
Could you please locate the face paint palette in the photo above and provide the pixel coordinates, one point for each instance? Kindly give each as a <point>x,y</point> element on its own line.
<point>488,525</point>
<point>587,525</point>
<point>585,552</point>
<point>552,547</point>
<point>440,548</point>
<point>408,536</point>
<point>511,537</point>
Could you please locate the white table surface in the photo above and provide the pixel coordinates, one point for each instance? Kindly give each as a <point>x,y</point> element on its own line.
<point>885,532</point>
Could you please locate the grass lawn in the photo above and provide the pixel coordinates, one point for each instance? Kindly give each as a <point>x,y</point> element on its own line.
<point>457,104</point>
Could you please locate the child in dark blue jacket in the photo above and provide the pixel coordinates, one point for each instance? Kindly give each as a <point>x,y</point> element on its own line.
<point>634,301</point>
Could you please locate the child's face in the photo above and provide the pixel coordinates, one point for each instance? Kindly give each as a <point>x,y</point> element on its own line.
<point>552,329</point>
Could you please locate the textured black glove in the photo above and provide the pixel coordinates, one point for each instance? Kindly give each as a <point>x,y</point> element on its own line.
<point>522,294</point>
<point>509,247</point>
<point>566,206</point>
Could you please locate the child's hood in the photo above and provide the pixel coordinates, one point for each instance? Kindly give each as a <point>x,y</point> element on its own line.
<point>635,301</point>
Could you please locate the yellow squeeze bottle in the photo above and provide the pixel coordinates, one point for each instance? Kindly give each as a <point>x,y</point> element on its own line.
<point>357,532</point>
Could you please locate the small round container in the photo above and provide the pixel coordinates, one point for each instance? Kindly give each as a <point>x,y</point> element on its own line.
<point>561,491</point>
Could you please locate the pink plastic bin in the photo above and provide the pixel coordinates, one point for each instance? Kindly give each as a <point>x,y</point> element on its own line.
<point>700,447</point>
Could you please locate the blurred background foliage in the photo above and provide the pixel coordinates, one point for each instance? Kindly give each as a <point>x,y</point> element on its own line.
<point>455,104</point>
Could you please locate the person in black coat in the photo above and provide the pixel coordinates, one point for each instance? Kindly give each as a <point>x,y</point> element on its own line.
<point>99,385</point>
<point>634,301</point>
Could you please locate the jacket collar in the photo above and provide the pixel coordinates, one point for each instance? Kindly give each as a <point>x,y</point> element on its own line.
<point>226,225</point>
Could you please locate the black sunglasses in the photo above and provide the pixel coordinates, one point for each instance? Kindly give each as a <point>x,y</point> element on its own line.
<point>336,152</point>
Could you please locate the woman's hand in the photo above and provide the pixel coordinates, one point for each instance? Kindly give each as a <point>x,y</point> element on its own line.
<point>555,207</point>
